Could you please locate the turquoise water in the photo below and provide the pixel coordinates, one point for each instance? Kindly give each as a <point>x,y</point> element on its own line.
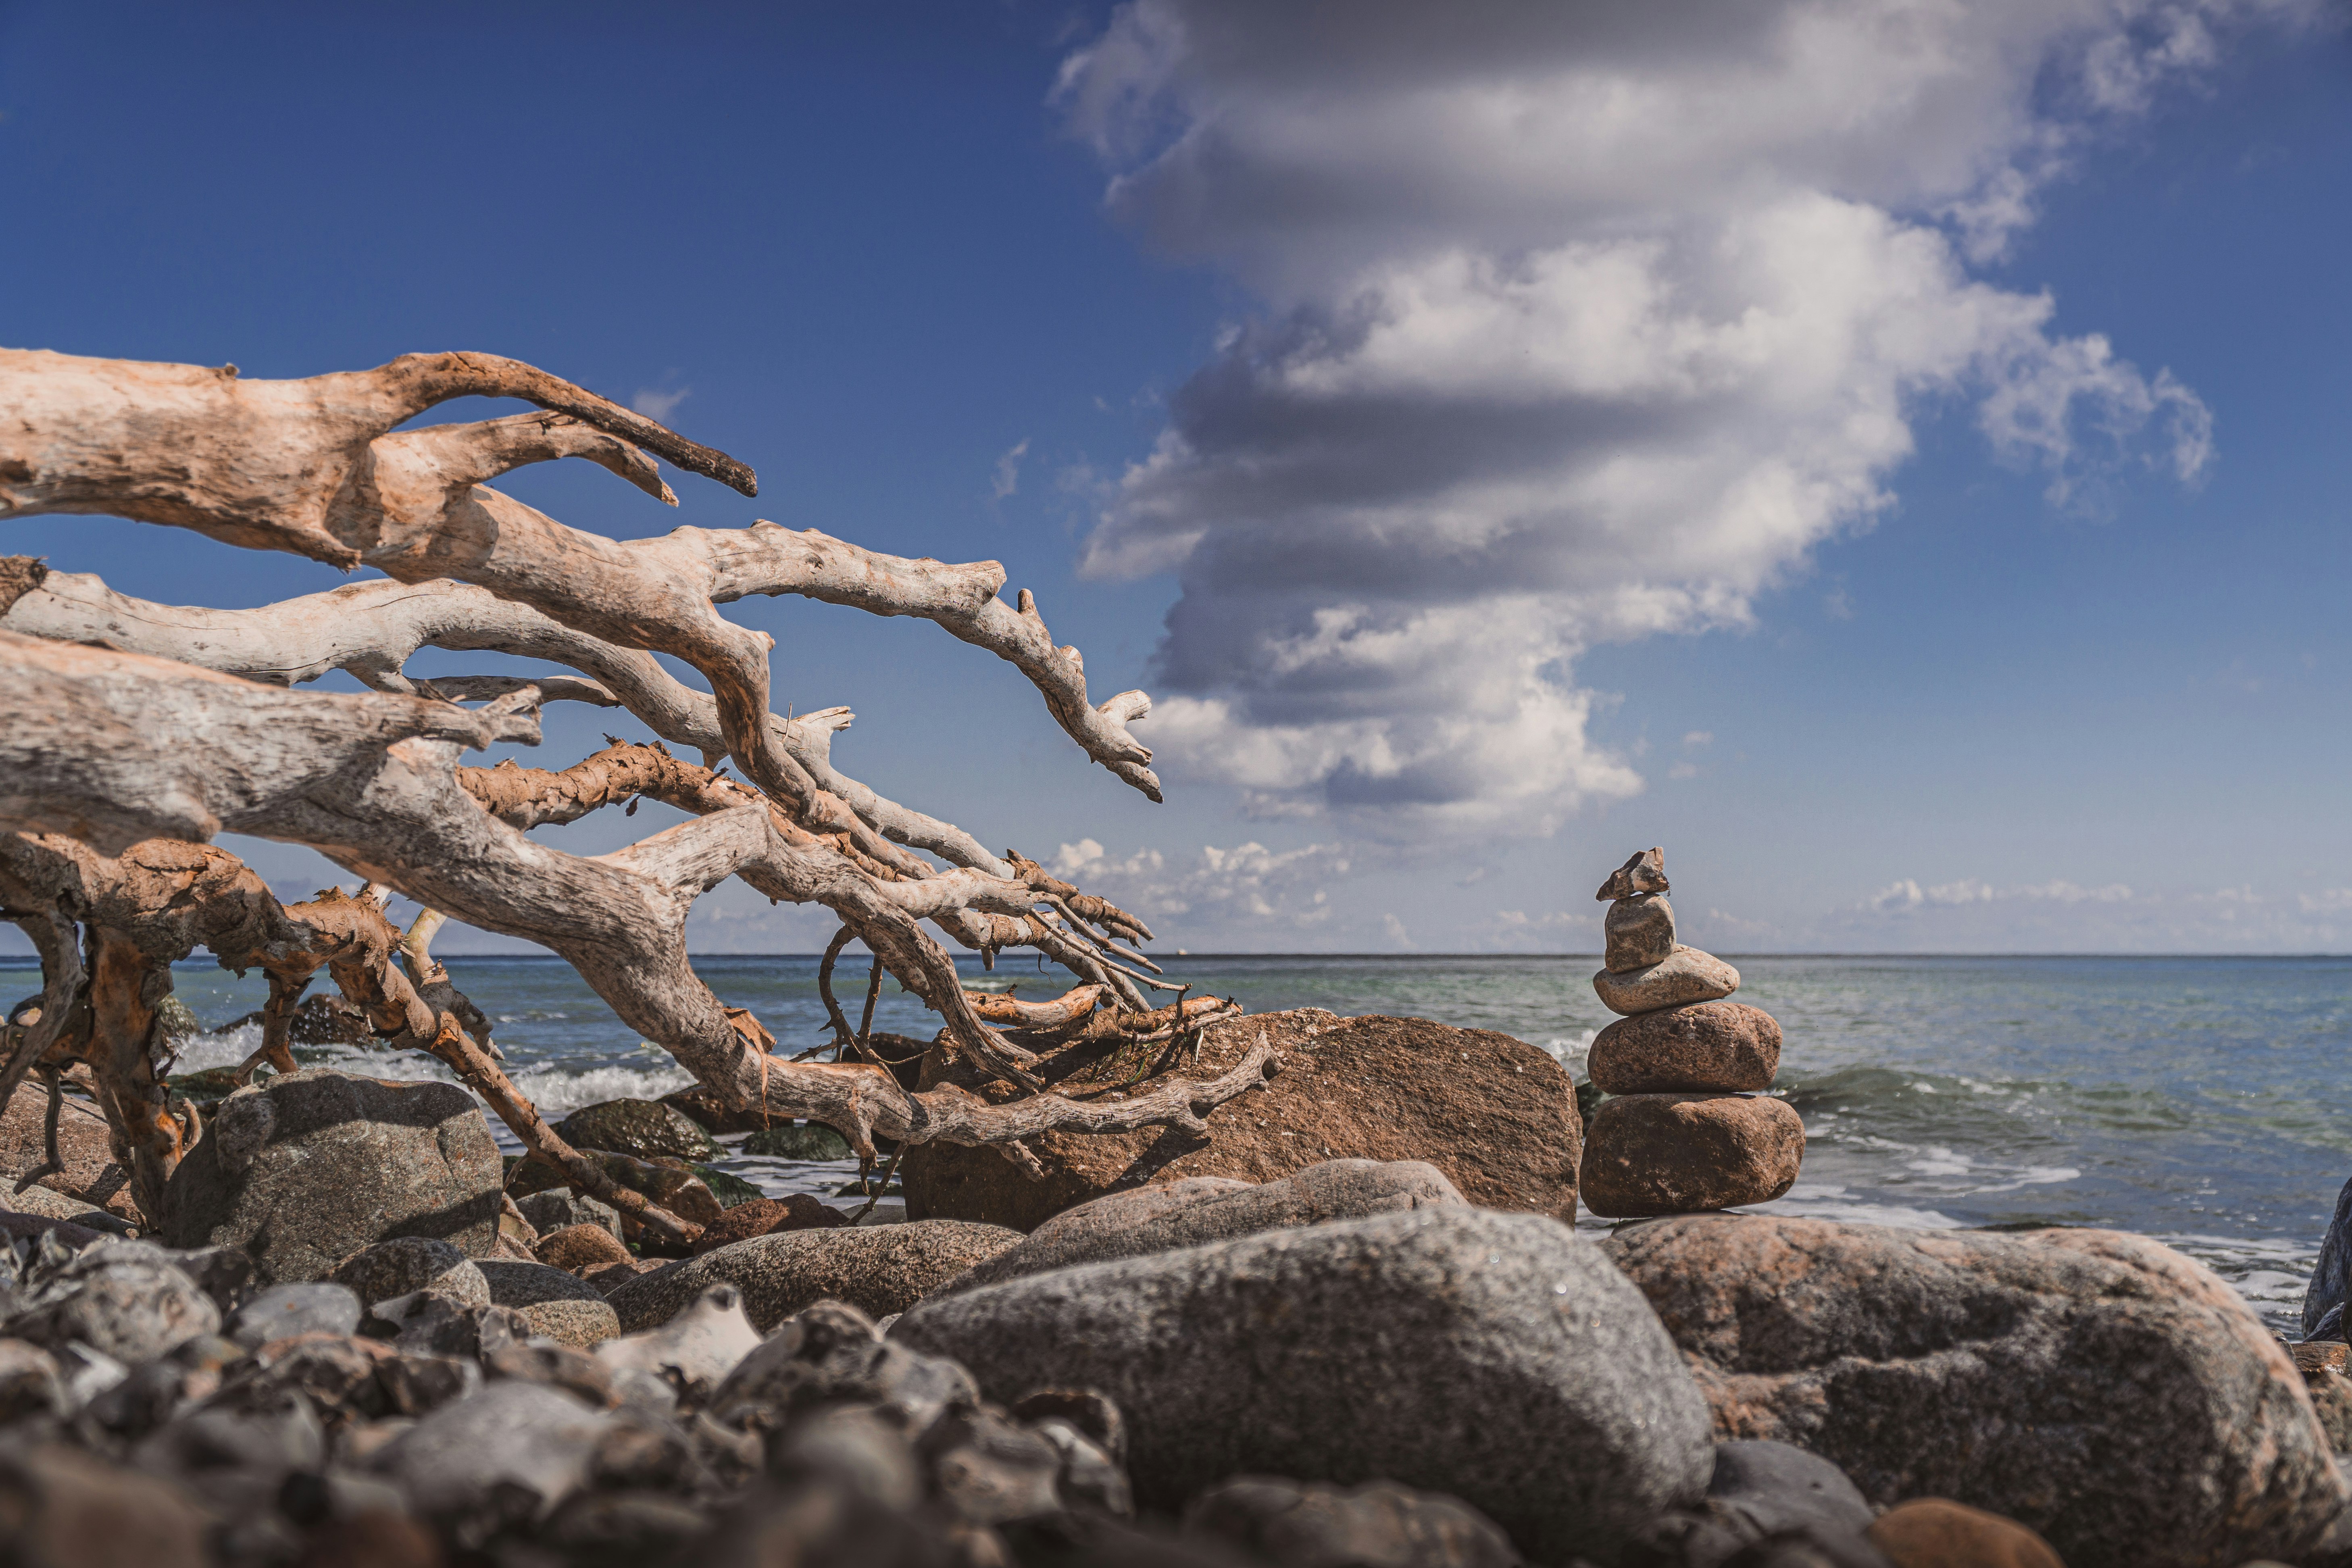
<point>2193,1100</point>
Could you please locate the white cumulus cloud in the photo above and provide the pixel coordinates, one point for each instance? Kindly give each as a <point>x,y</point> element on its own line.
<point>1578,324</point>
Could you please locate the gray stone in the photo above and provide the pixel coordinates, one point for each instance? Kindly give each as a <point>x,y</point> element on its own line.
<point>878,1270</point>
<point>121,1299</point>
<point>1685,975</point>
<point>1644,873</point>
<point>310,1168</point>
<point>1640,932</point>
<point>1684,1153</point>
<point>1312,1524</point>
<point>640,1128</point>
<point>2095,1386</point>
<point>1763,1491</point>
<point>49,1203</point>
<point>1493,1357</point>
<point>1200,1209</point>
<point>514,1438</point>
<point>514,1283</point>
<point>572,1321</point>
<point>412,1263</point>
<point>831,1354</point>
<point>284,1311</point>
<point>1719,1046</point>
<point>557,1210</point>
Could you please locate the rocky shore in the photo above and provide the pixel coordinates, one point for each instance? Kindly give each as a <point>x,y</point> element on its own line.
<point>1358,1326</point>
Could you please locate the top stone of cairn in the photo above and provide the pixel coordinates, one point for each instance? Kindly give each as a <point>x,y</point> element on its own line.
<point>1644,873</point>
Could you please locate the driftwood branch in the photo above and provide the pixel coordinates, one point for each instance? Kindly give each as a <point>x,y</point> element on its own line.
<point>176,723</point>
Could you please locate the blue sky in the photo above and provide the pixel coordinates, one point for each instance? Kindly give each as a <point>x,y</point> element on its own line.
<point>1498,449</point>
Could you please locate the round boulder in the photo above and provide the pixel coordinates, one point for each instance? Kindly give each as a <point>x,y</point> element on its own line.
<point>314,1166</point>
<point>1497,1358</point>
<point>573,1321</point>
<point>1685,975</point>
<point>878,1270</point>
<point>1686,1153</point>
<point>644,1128</point>
<point>1727,1047</point>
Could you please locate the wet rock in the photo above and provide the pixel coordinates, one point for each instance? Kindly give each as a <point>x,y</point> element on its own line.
<point>798,1140</point>
<point>1199,1209</point>
<point>87,1149</point>
<point>121,1299</point>
<point>732,1190</point>
<point>1684,976</point>
<point>408,1264</point>
<point>831,1355</point>
<point>1379,1524</point>
<point>2095,1386</point>
<point>174,1022</point>
<point>1930,1533</point>
<point>2331,1277</point>
<point>1717,1046</point>
<point>1684,1153</point>
<point>66,1510</point>
<point>643,1128</point>
<point>408,1159</point>
<point>284,1311</point>
<point>1644,873</point>
<point>508,1454</point>
<point>762,1216</point>
<point>878,1270</point>
<point>1495,1115</point>
<point>581,1249</point>
<point>555,1210</point>
<point>1493,1357</point>
<point>1640,932</point>
<point>695,1349</point>
<point>328,1018</point>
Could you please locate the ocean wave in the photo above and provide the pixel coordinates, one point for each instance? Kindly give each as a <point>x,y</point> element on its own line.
<point>559,1091</point>
<point>1570,1050</point>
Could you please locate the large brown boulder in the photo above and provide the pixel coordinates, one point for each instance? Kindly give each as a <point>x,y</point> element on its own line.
<point>1495,1115</point>
<point>2095,1386</point>
<point>83,1144</point>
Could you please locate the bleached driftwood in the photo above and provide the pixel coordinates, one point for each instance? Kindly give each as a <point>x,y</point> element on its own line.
<point>178,724</point>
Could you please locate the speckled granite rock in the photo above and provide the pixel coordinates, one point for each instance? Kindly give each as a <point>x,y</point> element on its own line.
<point>1497,1358</point>
<point>2097,1387</point>
<point>878,1270</point>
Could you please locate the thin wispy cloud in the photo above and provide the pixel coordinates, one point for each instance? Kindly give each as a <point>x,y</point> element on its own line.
<point>1578,324</point>
<point>1008,470</point>
<point>654,404</point>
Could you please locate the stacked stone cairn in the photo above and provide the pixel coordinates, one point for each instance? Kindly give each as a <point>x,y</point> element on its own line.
<point>1685,1130</point>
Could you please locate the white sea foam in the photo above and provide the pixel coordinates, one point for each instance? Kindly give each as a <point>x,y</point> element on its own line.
<point>1825,1200</point>
<point>558,1092</point>
<point>1569,1050</point>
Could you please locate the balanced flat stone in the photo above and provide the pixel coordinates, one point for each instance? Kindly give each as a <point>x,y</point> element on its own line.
<point>1687,1153</point>
<point>2095,1387</point>
<point>1640,932</point>
<point>1644,873</point>
<point>1685,975</point>
<point>1726,1047</point>
<point>1497,1358</point>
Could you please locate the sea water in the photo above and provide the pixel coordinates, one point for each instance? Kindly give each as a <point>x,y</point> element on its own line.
<point>2191,1100</point>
